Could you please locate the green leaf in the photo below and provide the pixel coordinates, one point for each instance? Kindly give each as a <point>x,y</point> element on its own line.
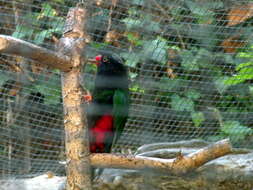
<point>235,130</point>
<point>244,65</point>
<point>169,85</point>
<point>245,73</point>
<point>181,104</point>
<point>22,32</point>
<point>133,39</point>
<point>137,88</point>
<point>40,36</point>
<point>51,91</point>
<point>97,45</point>
<point>151,26</point>
<point>132,23</point>
<point>47,11</point>
<point>197,118</point>
<point>199,8</point>
<point>189,61</point>
<point>156,50</point>
<point>133,75</point>
<point>221,84</point>
<point>192,94</point>
<point>131,59</point>
<point>251,89</point>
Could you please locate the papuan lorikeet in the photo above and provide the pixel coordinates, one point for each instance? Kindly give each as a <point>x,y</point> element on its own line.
<point>108,109</point>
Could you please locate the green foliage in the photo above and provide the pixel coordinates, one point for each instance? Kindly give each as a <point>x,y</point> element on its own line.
<point>235,131</point>
<point>181,103</point>
<point>244,70</point>
<point>198,118</point>
<point>52,92</point>
<point>46,19</point>
<point>156,50</point>
<point>201,74</point>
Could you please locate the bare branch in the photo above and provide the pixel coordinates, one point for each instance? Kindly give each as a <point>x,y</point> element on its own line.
<point>179,165</point>
<point>14,46</point>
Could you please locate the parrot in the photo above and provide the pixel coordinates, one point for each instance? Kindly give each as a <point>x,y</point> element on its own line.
<point>108,109</point>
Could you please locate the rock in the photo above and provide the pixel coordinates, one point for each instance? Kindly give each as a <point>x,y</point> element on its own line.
<point>42,182</point>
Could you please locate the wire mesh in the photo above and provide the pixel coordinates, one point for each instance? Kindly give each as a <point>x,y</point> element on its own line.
<point>190,67</point>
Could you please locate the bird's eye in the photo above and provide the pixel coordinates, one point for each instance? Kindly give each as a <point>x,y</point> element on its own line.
<point>105,59</point>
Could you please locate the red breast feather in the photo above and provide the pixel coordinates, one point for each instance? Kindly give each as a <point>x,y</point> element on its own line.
<point>102,129</point>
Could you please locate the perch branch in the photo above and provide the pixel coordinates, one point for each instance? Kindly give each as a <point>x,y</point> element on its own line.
<point>14,46</point>
<point>179,165</point>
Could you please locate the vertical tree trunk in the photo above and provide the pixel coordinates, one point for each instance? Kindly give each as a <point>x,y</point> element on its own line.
<point>76,130</point>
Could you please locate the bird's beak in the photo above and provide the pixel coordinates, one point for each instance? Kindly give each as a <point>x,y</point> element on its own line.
<point>96,61</point>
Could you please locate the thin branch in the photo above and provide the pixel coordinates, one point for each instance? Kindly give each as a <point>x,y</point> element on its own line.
<point>14,46</point>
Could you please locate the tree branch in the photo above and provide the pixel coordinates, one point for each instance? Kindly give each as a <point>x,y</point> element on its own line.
<point>179,165</point>
<point>14,46</point>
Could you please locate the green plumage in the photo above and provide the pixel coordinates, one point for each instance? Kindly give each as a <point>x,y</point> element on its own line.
<point>120,112</point>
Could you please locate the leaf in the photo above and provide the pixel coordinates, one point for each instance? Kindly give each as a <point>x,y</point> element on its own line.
<point>199,8</point>
<point>156,50</point>
<point>40,36</point>
<point>181,104</point>
<point>235,130</point>
<point>205,34</point>
<point>134,38</point>
<point>170,84</point>
<point>52,90</point>
<point>131,59</point>
<point>189,61</point>
<point>222,84</point>
<point>22,32</point>
<point>132,23</point>
<point>57,24</point>
<point>251,90</point>
<point>244,65</point>
<point>192,94</point>
<point>245,73</point>
<point>137,88</point>
<point>197,118</point>
<point>47,11</point>
<point>150,25</point>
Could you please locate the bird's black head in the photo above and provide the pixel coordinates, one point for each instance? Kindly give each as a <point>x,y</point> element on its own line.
<point>107,58</point>
<point>111,71</point>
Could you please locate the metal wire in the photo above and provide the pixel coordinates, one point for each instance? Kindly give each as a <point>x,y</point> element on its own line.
<point>190,66</point>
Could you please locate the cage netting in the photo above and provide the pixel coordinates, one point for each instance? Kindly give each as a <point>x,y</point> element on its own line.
<point>190,66</point>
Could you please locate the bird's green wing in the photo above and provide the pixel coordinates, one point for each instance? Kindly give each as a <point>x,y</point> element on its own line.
<point>120,111</point>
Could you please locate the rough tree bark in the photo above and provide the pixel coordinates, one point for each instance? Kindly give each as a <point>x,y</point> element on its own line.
<point>76,131</point>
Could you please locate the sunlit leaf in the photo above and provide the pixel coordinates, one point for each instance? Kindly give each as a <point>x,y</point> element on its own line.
<point>198,118</point>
